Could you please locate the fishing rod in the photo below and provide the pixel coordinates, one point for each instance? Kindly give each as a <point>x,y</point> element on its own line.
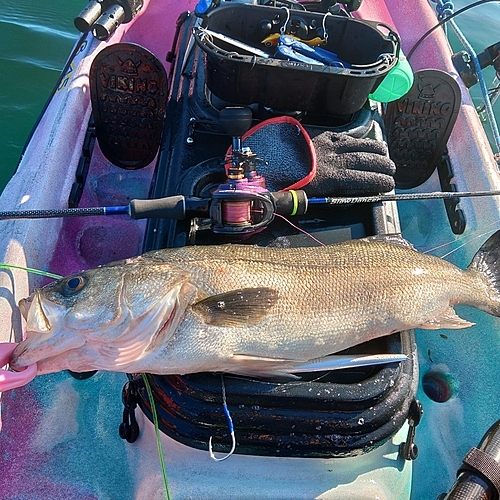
<point>183,207</point>
<point>400,197</point>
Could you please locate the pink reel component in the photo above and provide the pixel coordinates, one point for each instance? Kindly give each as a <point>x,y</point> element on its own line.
<point>11,380</point>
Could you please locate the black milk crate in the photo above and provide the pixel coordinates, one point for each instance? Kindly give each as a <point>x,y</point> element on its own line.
<point>239,77</point>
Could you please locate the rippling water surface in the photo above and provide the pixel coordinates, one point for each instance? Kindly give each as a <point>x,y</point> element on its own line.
<point>37,36</point>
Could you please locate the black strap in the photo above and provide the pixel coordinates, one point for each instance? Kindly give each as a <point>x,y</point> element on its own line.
<point>480,462</point>
<point>129,428</point>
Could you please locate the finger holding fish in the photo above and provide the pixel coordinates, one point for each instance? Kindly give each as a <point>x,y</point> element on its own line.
<point>11,380</point>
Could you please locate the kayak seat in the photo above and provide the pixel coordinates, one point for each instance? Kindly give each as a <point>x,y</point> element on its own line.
<point>419,124</point>
<point>128,90</point>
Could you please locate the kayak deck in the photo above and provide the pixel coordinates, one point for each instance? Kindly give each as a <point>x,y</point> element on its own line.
<point>60,435</point>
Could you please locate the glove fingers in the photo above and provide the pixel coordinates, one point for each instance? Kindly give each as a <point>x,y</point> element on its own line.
<point>343,143</point>
<point>368,162</point>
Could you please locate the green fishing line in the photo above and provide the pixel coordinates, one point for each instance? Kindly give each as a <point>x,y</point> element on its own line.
<point>30,270</point>
<point>157,432</point>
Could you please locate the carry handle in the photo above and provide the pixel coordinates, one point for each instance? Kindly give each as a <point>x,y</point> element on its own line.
<point>391,34</point>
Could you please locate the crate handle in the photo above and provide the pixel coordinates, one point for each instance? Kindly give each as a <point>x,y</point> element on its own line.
<point>389,33</point>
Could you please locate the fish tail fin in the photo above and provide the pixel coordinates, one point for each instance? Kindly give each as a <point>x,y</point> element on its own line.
<point>486,262</point>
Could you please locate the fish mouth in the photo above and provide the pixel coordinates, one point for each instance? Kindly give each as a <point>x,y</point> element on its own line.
<point>78,360</point>
<point>43,340</point>
<point>54,346</point>
<point>20,359</point>
<point>36,349</point>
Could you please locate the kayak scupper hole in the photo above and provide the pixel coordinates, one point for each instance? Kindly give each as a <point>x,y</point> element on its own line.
<point>439,386</point>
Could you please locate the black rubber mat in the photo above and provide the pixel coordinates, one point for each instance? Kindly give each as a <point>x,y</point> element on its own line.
<point>128,88</point>
<point>419,124</point>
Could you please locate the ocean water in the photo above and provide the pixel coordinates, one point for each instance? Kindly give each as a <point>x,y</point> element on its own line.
<point>36,37</point>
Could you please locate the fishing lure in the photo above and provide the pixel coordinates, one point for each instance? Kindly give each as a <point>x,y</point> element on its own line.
<point>296,50</point>
<point>272,40</point>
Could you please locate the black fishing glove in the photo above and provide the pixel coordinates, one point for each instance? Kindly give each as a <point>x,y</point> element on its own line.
<point>347,166</point>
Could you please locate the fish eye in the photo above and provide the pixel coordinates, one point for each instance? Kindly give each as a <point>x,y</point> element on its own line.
<point>72,285</point>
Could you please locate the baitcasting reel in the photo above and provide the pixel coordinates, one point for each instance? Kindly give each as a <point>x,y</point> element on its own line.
<point>243,204</point>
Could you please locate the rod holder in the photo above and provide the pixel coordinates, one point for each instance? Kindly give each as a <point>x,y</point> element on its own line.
<point>102,17</point>
<point>90,14</point>
<point>106,25</point>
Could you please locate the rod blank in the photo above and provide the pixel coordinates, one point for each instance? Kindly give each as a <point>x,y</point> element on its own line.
<point>63,212</point>
<point>400,197</point>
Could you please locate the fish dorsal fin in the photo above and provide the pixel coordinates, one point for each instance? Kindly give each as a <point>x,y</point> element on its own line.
<point>391,239</point>
<point>243,307</point>
<point>449,319</point>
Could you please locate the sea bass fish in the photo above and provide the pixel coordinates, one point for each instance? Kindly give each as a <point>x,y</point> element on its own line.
<point>244,309</point>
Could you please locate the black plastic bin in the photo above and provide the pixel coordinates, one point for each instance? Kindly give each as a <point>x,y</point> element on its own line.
<point>239,77</point>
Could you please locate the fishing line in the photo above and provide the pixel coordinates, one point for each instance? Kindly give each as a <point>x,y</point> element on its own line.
<point>444,21</point>
<point>157,433</point>
<point>229,423</point>
<point>301,230</point>
<point>464,244</point>
<point>470,238</point>
<point>30,270</point>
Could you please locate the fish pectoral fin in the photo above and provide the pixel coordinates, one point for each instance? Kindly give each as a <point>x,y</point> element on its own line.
<point>449,319</point>
<point>243,307</point>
